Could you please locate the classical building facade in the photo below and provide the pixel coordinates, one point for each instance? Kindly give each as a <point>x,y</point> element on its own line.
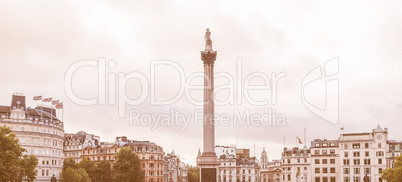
<point>155,165</point>
<point>39,131</point>
<point>269,171</point>
<point>174,169</point>
<point>363,153</point>
<point>394,149</point>
<point>233,168</point>
<point>75,143</point>
<point>296,164</point>
<point>325,160</point>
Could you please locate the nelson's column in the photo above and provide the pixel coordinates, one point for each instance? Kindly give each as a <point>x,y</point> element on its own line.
<point>208,161</point>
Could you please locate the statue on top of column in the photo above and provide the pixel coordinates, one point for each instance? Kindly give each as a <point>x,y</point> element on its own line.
<point>208,37</point>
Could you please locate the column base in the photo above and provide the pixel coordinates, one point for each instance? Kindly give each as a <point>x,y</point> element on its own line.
<point>208,163</point>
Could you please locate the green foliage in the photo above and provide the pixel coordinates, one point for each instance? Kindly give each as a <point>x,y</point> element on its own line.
<point>69,162</point>
<point>75,175</point>
<point>193,174</point>
<point>103,172</point>
<point>127,167</point>
<point>70,175</point>
<point>394,174</point>
<point>14,166</point>
<point>84,175</point>
<point>88,166</point>
<point>28,164</point>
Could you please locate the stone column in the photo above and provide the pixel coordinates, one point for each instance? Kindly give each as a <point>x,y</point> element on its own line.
<point>208,161</point>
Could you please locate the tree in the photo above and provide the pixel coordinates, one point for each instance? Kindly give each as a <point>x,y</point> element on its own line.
<point>84,175</point>
<point>69,162</point>
<point>127,167</point>
<point>13,165</point>
<point>69,175</point>
<point>394,174</point>
<point>103,172</point>
<point>88,166</point>
<point>75,175</point>
<point>28,164</point>
<point>193,174</point>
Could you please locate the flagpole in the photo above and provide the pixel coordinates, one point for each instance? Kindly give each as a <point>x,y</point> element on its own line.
<point>41,108</point>
<point>305,136</point>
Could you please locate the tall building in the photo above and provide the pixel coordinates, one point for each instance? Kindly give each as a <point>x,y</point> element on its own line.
<point>325,160</point>
<point>39,131</point>
<point>363,153</point>
<point>296,164</point>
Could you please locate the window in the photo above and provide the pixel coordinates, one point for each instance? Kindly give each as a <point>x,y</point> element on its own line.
<point>332,179</point>
<point>317,145</point>
<point>288,161</point>
<point>346,179</point>
<point>298,160</point>
<point>324,170</point>
<point>346,170</point>
<point>345,161</point>
<point>356,161</point>
<point>379,145</point>
<point>367,161</point>
<point>380,170</point>
<point>346,146</point>
<point>332,144</point>
<point>332,170</point>
<point>305,160</point>
<point>367,170</point>
<point>367,154</point>
<point>332,161</point>
<point>356,170</point>
<point>324,161</point>
<point>324,179</point>
<point>356,154</point>
<point>332,151</point>
<point>324,145</point>
<point>356,145</point>
<point>346,154</point>
<point>317,170</point>
<point>317,161</point>
<point>379,161</point>
<point>324,151</point>
<point>288,177</point>
<point>317,179</point>
<point>316,152</point>
<point>356,179</point>
<point>380,153</point>
<point>366,145</point>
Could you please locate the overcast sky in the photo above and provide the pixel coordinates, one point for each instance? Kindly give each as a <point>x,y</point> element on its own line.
<point>40,40</point>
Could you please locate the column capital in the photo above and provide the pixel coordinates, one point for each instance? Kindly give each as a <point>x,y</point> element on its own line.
<point>208,57</point>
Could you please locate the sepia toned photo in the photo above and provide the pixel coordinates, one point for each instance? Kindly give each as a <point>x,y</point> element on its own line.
<point>200,91</point>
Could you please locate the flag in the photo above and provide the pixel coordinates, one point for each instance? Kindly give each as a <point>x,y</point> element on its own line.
<point>59,105</point>
<point>299,140</point>
<point>47,99</point>
<point>342,128</point>
<point>37,98</point>
<point>55,102</point>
